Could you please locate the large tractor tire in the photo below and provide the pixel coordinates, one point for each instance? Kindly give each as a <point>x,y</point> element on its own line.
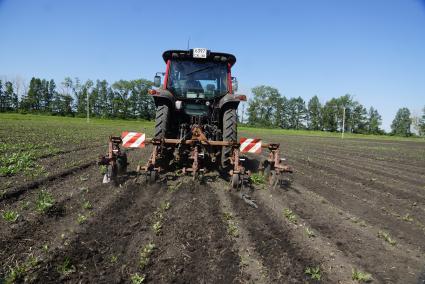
<point>230,133</point>
<point>161,121</point>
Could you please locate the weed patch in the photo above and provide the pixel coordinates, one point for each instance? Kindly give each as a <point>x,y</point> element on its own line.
<point>232,228</point>
<point>44,201</point>
<point>137,279</point>
<point>157,227</point>
<point>159,217</point>
<point>20,271</point>
<point>386,237</point>
<point>81,218</point>
<point>360,276</point>
<point>408,218</point>
<point>66,267</point>
<point>145,254</point>
<point>257,178</point>
<point>290,215</point>
<point>10,216</point>
<point>87,205</point>
<point>314,273</point>
<point>310,233</point>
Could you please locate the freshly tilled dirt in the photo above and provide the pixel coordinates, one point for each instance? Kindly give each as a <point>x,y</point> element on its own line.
<point>345,195</point>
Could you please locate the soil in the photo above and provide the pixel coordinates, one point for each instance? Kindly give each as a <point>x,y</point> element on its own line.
<point>346,195</point>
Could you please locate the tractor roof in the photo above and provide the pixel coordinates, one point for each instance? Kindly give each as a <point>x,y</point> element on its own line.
<point>188,54</point>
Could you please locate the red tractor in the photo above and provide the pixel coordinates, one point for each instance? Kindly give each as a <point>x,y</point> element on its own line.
<point>196,121</point>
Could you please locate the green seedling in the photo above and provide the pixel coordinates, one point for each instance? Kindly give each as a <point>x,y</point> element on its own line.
<point>20,270</point>
<point>45,248</point>
<point>314,273</point>
<point>84,189</point>
<point>81,219</point>
<point>157,227</point>
<point>145,254</point>
<point>44,201</point>
<point>25,205</point>
<point>10,216</point>
<point>66,267</point>
<point>386,237</point>
<point>87,205</point>
<point>360,276</point>
<point>173,188</point>
<point>165,206</point>
<point>310,233</point>
<point>289,215</point>
<point>232,228</point>
<point>84,178</point>
<point>408,218</point>
<point>137,279</point>
<point>102,169</point>
<point>257,178</point>
<point>113,259</point>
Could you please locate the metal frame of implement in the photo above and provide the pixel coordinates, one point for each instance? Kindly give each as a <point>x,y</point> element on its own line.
<point>238,174</point>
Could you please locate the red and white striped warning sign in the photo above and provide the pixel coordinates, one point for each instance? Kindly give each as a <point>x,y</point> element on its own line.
<point>133,139</point>
<point>249,145</point>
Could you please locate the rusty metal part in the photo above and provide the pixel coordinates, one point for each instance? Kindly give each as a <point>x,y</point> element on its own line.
<point>198,143</point>
<point>110,160</point>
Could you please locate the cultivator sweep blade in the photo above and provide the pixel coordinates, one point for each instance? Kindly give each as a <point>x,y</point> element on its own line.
<point>198,160</point>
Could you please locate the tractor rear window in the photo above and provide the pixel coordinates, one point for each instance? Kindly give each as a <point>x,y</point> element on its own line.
<point>197,79</point>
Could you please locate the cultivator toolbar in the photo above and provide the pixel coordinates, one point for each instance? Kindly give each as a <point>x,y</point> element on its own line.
<point>194,156</point>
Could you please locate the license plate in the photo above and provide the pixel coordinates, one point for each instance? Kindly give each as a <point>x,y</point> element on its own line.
<point>199,53</point>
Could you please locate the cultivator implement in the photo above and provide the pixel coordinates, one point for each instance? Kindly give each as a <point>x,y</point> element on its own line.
<point>194,156</point>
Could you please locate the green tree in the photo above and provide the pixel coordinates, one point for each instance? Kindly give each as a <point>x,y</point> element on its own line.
<point>422,123</point>
<point>401,123</point>
<point>51,94</point>
<point>297,113</point>
<point>262,107</point>
<point>33,99</point>
<point>330,115</point>
<point>122,90</point>
<point>282,113</point>
<point>374,121</point>
<point>358,121</point>
<point>11,98</point>
<point>315,120</point>
<point>2,98</point>
<point>142,104</point>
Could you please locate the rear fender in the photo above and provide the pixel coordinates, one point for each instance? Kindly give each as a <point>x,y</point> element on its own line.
<point>228,101</point>
<point>164,97</point>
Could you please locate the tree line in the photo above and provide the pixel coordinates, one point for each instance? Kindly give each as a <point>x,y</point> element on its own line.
<point>122,99</point>
<point>268,108</point>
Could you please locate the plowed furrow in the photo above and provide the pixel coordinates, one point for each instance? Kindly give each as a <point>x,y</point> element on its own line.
<point>104,251</point>
<point>279,255</point>
<point>350,192</point>
<point>356,240</point>
<point>194,246</point>
<point>406,178</point>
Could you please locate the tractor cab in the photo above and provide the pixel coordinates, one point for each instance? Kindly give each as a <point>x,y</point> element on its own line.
<point>198,74</point>
<point>197,80</point>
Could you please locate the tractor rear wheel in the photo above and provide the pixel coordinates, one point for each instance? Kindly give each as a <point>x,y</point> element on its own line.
<point>161,121</point>
<point>229,134</point>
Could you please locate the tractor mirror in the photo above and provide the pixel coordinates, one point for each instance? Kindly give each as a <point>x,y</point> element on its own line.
<point>157,81</point>
<point>234,84</point>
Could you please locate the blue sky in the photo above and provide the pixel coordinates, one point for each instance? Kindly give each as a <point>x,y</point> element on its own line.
<point>372,49</point>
